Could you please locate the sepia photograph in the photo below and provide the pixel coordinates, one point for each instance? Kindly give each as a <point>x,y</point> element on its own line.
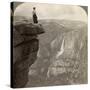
<point>49,44</point>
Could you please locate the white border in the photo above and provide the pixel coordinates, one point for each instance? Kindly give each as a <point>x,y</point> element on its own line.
<point>5,44</point>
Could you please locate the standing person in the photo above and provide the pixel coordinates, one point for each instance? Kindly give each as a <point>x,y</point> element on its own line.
<point>34,15</point>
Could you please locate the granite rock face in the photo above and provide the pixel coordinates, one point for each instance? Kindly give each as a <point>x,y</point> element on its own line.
<point>25,48</point>
<point>62,56</point>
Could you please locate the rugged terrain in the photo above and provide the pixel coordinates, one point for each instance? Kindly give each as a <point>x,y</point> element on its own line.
<point>25,48</point>
<point>62,55</point>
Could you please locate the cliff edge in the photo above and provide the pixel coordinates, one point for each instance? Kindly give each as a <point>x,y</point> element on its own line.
<point>25,48</point>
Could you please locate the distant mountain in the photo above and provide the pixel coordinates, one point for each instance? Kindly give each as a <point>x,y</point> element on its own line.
<point>62,55</point>
<point>21,19</point>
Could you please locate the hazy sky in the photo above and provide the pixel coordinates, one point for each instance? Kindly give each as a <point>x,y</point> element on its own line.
<point>52,11</point>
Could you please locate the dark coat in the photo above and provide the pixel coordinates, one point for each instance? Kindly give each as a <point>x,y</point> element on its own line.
<point>35,18</point>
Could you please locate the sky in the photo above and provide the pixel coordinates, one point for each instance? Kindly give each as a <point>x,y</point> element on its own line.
<point>52,11</point>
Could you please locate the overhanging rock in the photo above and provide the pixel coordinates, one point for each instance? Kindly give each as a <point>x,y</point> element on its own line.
<point>25,48</point>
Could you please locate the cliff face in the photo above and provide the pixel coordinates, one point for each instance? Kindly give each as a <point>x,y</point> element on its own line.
<point>62,56</point>
<point>57,57</point>
<point>25,48</point>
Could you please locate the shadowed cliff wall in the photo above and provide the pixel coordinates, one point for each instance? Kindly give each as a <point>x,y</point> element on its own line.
<point>25,48</point>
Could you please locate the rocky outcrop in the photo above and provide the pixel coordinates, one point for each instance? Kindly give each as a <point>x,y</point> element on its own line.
<point>25,48</point>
